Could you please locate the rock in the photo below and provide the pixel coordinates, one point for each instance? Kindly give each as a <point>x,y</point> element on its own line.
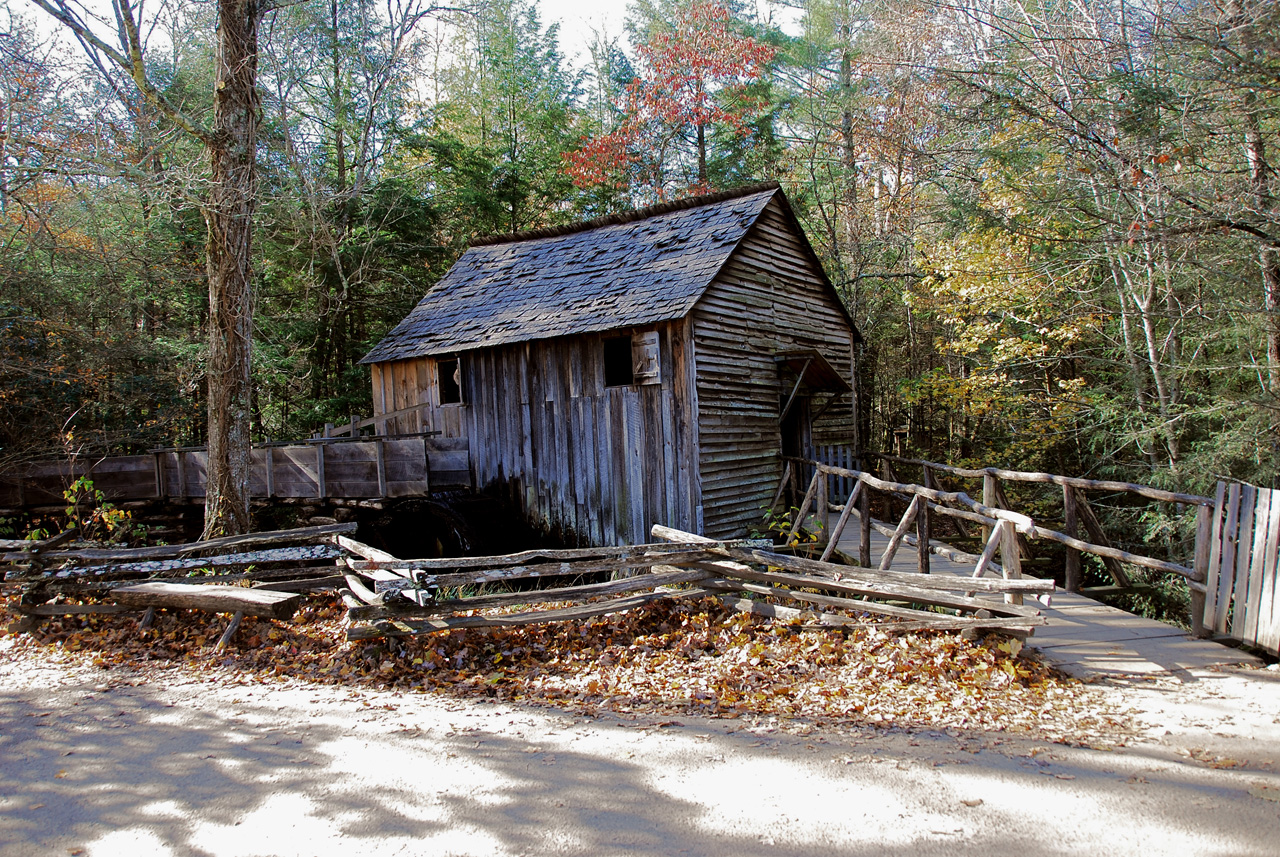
<point>321,520</point>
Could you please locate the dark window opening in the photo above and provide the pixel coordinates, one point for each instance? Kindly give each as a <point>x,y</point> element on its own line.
<point>618,370</point>
<point>450,381</point>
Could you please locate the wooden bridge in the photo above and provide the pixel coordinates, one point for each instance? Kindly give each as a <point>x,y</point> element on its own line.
<point>1231,567</point>
<point>323,468</point>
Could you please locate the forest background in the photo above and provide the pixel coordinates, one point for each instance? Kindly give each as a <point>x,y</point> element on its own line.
<point>1054,223</point>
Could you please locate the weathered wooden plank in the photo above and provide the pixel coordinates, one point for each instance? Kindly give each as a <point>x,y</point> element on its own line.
<point>1244,550</point>
<point>1226,576</point>
<point>1269,603</point>
<point>395,627</point>
<point>72,609</point>
<point>778,611</point>
<point>1214,568</point>
<point>292,554</point>
<point>821,570</point>
<point>886,559</point>
<point>622,586</point>
<point>217,599</point>
<point>1250,583</point>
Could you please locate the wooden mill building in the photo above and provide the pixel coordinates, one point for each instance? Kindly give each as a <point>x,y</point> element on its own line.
<point>652,367</point>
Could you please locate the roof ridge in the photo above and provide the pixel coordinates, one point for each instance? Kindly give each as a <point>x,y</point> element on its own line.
<point>627,216</point>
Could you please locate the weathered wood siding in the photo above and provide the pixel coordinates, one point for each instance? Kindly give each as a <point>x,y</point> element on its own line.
<point>596,464</point>
<point>401,383</point>
<point>769,298</point>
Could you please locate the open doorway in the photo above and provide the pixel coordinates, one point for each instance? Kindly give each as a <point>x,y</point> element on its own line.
<point>796,427</point>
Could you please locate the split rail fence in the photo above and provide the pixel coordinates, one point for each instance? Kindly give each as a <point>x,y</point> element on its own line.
<point>265,574</point>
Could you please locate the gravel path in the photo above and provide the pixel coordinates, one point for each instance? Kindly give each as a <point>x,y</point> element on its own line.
<point>104,762</point>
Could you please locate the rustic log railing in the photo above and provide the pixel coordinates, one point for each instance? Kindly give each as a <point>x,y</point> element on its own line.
<point>998,532</point>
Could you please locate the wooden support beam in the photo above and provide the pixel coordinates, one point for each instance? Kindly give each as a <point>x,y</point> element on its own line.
<point>782,489</point>
<point>922,538</point>
<point>160,480</point>
<point>823,509</point>
<point>988,499</point>
<point>1002,502</point>
<point>269,460</point>
<point>180,458</point>
<point>1070,527</point>
<point>320,481</point>
<point>909,516</point>
<point>864,528</point>
<point>232,627</point>
<point>1010,558</point>
<point>216,599</point>
<point>382,466</point>
<point>988,553</point>
<point>48,610</point>
<point>844,517</point>
<point>1098,537</point>
<point>804,506</point>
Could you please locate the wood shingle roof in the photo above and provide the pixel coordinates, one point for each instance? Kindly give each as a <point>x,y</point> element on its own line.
<point>618,272</point>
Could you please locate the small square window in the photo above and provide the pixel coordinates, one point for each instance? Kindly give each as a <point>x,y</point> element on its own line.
<point>618,369</point>
<point>450,380</point>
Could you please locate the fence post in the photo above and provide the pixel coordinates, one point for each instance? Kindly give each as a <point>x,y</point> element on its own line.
<point>160,480</point>
<point>1204,541</point>
<point>988,499</point>
<point>381,453</point>
<point>824,507</point>
<point>1070,526</point>
<point>269,461</point>
<point>320,486</point>
<point>922,537</point>
<point>1010,559</point>
<point>864,527</point>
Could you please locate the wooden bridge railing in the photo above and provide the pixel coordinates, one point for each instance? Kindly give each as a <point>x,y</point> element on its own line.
<point>354,428</point>
<point>321,468</point>
<point>1001,529</point>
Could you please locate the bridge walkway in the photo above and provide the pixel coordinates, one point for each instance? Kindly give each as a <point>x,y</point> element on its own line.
<point>1085,638</point>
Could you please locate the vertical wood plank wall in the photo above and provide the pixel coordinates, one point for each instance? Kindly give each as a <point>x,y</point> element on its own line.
<point>769,298</point>
<point>594,464</point>
<point>1243,575</point>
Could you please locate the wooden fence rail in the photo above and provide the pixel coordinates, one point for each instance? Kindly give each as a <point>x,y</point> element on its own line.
<point>1002,530</point>
<point>323,468</point>
<point>1078,517</point>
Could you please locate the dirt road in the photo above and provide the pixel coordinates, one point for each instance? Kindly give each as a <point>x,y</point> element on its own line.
<point>99,762</point>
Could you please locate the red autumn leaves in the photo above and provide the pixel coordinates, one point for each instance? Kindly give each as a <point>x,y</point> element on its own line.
<point>694,77</point>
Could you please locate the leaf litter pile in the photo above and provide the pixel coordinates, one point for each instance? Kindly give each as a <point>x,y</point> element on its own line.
<point>667,658</point>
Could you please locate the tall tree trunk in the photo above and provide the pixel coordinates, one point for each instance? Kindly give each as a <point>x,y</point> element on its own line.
<point>1268,259</point>
<point>702,155</point>
<point>229,217</point>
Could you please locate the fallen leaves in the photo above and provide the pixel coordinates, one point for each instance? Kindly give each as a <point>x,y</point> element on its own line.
<point>667,658</point>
